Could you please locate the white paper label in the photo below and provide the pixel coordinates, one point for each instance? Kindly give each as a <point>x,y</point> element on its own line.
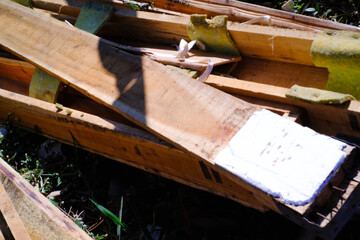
<point>282,158</point>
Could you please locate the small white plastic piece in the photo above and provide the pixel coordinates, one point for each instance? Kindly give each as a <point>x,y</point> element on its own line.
<point>184,48</point>
<point>207,71</point>
<point>69,23</point>
<point>282,158</point>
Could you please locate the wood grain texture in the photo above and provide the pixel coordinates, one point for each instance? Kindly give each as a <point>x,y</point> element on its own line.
<point>18,70</point>
<point>12,218</point>
<point>42,220</point>
<point>125,144</point>
<point>264,42</point>
<point>189,114</point>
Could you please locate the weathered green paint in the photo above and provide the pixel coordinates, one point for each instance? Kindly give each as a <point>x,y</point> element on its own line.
<point>91,18</point>
<point>44,86</point>
<point>26,3</point>
<point>212,33</point>
<point>339,52</point>
<point>317,96</point>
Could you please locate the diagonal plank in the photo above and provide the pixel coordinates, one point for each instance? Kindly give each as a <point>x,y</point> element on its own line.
<point>189,114</point>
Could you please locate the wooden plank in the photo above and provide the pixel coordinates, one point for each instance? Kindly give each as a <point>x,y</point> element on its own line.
<point>12,218</point>
<point>40,217</point>
<point>189,114</point>
<point>18,70</point>
<point>255,41</point>
<point>120,142</point>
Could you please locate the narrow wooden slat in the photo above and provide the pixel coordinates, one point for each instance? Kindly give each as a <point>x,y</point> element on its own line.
<point>41,219</point>
<point>191,115</point>
<point>12,218</point>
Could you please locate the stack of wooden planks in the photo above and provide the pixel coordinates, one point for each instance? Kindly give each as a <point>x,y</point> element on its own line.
<point>162,121</point>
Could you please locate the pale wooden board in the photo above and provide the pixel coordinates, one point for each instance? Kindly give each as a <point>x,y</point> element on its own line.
<point>265,42</point>
<point>189,114</point>
<point>42,220</point>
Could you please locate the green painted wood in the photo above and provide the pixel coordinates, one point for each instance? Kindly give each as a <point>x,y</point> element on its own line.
<point>212,33</point>
<point>317,96</point>
<point>26,3</point>
<point>91,18</point>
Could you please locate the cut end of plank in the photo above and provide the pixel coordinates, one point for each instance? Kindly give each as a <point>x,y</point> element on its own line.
<point>282,158</point>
